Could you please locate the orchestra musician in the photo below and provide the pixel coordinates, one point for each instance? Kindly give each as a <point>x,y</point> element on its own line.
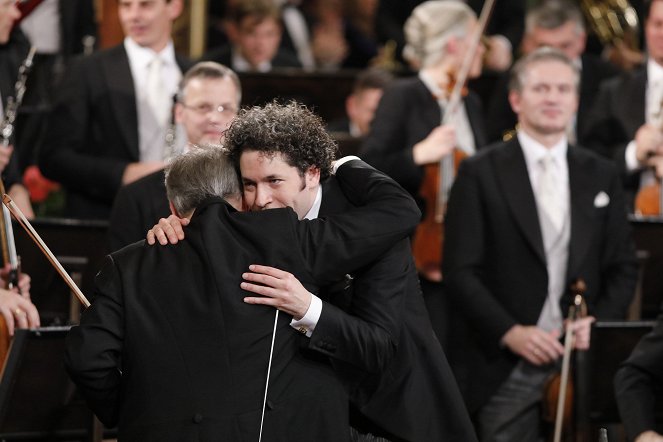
<point>626,120</point>
<point>112,110</point>
<point>638,384</point>
<point>208,98</point>
<point>406,133</point>
<point>525,219</point>
<point>169,367</point>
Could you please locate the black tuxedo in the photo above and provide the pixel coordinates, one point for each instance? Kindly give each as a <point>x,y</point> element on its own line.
<point>501,118</point>
<point>407,113</point>
<point>495,264</point>
<point>93,132</point>
<point>377,332</point>
<point>136,208</point>
<point>618,112</point>
<point>193,355</point>
<point>639,383</point>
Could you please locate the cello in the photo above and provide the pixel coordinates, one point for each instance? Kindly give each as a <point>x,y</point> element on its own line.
<point>439,177</point>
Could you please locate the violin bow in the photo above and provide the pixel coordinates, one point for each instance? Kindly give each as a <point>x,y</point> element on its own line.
<point>577,310</point>
<point>9,254</point>
<point>22,220</point>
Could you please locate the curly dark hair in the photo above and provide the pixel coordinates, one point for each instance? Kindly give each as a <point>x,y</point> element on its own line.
<point>290,129</point>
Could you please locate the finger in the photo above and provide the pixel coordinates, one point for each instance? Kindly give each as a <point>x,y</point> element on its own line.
<point>31,314</point>
<point>263,279</point>
<point>260,301</point>
<point>258,289</point>
<point>21,318</point>
<point>151,237</point>
<point>267,270</point>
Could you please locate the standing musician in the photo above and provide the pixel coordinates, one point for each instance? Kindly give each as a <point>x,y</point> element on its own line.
<point>525,219</point>
<point>112,110</point>
<point>626,123</point>
<point>406,133</point>
<point>171,350</point>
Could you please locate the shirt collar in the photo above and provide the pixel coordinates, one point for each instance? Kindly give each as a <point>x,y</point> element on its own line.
<point>142,56</point>
<point>654,73</point>
<point>241,64</point>
<point>314,211</point>
<point>535,151</point>
<point>431,85</point>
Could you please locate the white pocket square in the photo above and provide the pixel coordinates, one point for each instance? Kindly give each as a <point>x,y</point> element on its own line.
<point>601,199</point>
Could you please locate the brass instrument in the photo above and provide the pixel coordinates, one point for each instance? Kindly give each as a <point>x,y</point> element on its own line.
<point>13,103</point>
<point>613,21</point>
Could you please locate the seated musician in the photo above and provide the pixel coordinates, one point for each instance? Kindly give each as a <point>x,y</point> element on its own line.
<point>526,218</point>
<point>639,387</point>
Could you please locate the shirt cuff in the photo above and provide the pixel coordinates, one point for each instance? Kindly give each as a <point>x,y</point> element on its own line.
<point>341,161</point>
<point>307,324</point>
<point>630,157</point>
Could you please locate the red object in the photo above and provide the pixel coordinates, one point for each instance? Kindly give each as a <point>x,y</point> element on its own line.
<point>38,186</point>
<point>26,7</point>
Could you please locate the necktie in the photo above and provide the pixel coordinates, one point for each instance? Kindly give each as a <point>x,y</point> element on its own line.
<point>549,194</point>
<point>157,97</point>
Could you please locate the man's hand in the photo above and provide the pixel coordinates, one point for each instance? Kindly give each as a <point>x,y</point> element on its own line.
<point>498,56</point>
<point>531,343</point>
<point>437,144</point>
<point>168,230</point>
<point>135,171</point>
<point>648,142</point>
<point>279,289</point>
<point>23,282</point>
<point>5,156</point>
<point>582,329</point>
<point>649,436</point>
<point>18,311</point>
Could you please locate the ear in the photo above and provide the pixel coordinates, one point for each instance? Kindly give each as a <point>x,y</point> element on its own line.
<point>312,176</point>
<point>175,8</point>
<point>179,112</point>
<point>514,101</point>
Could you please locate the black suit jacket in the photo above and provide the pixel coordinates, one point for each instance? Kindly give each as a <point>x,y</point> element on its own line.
<point>639,383</point>
<point>407,113</point>
<point>377,332</point>
<point>501,117</point>
<point>618,112</point>
<point>136,208</point>
<point>193,356</point>
<point>93,131</point>
<point>77,20</point>
<point>495,264</point>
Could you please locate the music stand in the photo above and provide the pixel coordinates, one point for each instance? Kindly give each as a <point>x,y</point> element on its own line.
<point>611,343</point>
<point>38,401</point>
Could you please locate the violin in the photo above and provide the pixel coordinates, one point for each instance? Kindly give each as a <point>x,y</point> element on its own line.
<point>649,200</point>
<point>439,177</point>
<point>558,391</point>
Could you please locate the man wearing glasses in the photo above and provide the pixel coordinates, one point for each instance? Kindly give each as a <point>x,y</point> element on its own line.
<point>208,99</point>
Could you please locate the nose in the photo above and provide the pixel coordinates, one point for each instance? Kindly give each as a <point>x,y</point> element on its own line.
<point>263,197</point>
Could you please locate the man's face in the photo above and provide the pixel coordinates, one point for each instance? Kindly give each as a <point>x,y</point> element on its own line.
<point>258,41</point>
<point>548,99</point>
<point>271,183</point>
<point>9,13</point>
<point>567,38</point>
<point>654,31</point>
<point>149,22</point>
<point>361,108</point>
<point>207,108</point>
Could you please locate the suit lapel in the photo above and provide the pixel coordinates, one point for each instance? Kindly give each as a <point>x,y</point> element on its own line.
<point>581,188</point>
<point>122,95</point>
<point>511,172</point>
<point>635,96</point>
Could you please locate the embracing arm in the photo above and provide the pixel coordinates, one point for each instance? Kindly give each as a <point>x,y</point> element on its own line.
<point>93,348</point>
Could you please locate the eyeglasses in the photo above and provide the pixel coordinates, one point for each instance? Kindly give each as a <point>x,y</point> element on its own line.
<point>206,109</point>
